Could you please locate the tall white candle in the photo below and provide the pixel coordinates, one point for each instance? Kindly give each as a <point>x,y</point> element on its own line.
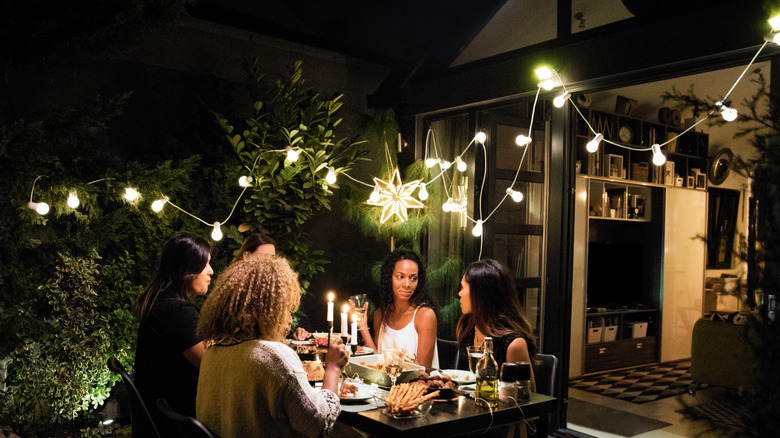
<point>354,329</point>
<point>330,307</point>
<point>344,319</point>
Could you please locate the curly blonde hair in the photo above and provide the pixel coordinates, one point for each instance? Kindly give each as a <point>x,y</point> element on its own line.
<point>253,299</point>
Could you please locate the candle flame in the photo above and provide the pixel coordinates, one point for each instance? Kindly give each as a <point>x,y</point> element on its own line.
<point>330,296</point>
<point>345,308</point>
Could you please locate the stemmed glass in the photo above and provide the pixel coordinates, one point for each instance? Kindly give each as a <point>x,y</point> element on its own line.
<point>475,354</point>
<point>394,362</point>
<point>359,301</point>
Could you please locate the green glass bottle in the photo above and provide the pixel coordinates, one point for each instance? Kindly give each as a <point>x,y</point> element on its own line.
<point>487,377</point>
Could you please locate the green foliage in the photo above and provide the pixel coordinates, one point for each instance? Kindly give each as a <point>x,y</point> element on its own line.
<point>285,195</point>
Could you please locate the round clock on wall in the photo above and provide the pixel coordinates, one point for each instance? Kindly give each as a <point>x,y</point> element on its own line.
<point>626,133</point>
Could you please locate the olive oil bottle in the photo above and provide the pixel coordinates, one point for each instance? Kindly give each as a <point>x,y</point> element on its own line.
<point>487,377</point>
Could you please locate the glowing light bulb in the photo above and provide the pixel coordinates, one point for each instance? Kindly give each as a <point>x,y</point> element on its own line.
<point>131,194</point>
<point>430,162</point>
<point>245,181</point>
<point>292,155</point>
<point>444,164</point>
<point>560,100</point>
<point>40,207</point>
<point>593,145</point>
<point>158,205</point>
<point>73,200</point>
<point>374,195</point>
<point>481,137</point>
<point>544,72</point>
<point>522,140</point>
<point>423,193</point>
<point>447,206</point>
<point>658,157</point>
<point>516,196</point>
<point>330,178</point>
<point>216,233</point>
<point>775,23</point>
<point>477,230</point>
<point>460,164</point>
<point>728,114</point>
<point>549,84</point>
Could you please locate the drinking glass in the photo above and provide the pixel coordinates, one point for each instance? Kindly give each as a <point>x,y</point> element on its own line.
<point>475,354</point>
<point>359,301</point>
<point>394,362</point>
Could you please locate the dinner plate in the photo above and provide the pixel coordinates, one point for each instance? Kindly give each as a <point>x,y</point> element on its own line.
<point>297,342</point>
<point>361,351</point>
<point>364,393</point>
<point>461,377</point>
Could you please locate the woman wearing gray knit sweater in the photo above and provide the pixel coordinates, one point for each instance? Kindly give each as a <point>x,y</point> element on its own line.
<point>251,384</point>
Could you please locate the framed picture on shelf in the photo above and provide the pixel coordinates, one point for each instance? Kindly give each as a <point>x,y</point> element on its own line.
<point>614,168</point>
<point>700,181</point>
<point>669,173</point>
<point>690,181</point>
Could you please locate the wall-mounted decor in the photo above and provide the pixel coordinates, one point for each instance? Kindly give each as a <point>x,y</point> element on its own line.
<point>720,166</point>
<point>721,225</point>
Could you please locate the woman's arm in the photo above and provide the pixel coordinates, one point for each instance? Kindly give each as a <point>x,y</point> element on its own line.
<point>367,334</point>
<point>425,324</point>
<point>195,353</point>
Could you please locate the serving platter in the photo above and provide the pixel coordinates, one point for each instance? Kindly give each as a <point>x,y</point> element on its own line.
<point>364,368</point>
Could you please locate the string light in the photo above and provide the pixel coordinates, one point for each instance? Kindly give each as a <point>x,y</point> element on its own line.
<point>514,194</point>
<point>158,205</point>
<point>423,193</point>
<point>460,164</point>
<point>330,178</point>
<point>477,230</point>
<point>292,154</point>
<point>40,207</point>
<point>728,114</point>
<point>658,157</point>
<point>245,181</point>
<point>374,198</point>
<point>774,22</point>
<point>444,164</point>
<point>593,145</point>
<point>560,100</point>
<point>73,200</point>
<point>430,162</point>
<point>522,140</point>
<point>480,137</point>
<point>131,194</point>
<point>216,233</point>
<point>447,206</point>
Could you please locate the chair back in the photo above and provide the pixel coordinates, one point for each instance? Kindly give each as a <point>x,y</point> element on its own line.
<point>139,414</point>
<point>545,368</point>
<point>186,425</point>
<point>448,353</point>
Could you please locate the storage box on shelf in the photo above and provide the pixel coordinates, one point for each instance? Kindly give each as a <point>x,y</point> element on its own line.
<point>634,342</point>
<point>686,155</point>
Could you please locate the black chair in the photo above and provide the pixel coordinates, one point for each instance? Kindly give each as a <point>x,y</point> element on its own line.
<point>188,427</point>
<point>139,415</point>
<point>545,368</point>
<point>448,353</point>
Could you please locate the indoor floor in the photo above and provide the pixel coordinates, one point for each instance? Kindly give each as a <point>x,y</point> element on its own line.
<point>660,416</point>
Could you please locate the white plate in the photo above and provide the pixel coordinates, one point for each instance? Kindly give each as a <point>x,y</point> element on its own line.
<point>365,350</point>
<point>297,342</point>
<point>364,393</point>
<point>461,377</point>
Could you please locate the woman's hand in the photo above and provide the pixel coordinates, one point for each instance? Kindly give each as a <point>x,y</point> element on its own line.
<point>335,360</point>
<point>363,321</point>
<point>301,334</point>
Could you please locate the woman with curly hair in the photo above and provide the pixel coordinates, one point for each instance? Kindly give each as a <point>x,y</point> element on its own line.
<point>251,383</point>
<point>491,307</point>
<point>405,317</point>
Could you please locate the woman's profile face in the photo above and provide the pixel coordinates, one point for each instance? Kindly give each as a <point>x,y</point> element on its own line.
<point>200,285</point>
<point>465,296</point>
<point>404,279</point>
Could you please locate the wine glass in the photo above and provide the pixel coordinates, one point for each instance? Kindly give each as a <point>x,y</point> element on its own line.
<point>394,362</point>
<point>359,301</point>
<point>475,354</point>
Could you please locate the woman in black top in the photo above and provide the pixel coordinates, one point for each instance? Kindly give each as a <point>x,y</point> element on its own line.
<point>491,307</point>
<point>169,351</point>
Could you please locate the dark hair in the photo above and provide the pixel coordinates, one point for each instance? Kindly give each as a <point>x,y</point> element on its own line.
<point>183,258</point>
<point>420,295</point>
<point>251,243</point>
<point>495,305</point>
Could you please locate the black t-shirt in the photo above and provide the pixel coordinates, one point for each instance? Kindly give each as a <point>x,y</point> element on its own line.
<point>500,347</point>
<point>161,371</point>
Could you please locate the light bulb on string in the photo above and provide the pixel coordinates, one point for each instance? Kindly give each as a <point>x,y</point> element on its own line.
<point>423,193</point>
<point>292,154</point>
<point>158,205</point>
<point>544,72</point>
<point>658,157</point>
<point>330,178</point>
<point>444,164</point>
<point>131,194</point>
<point>447,206</point>
<point>559,101</point>
<point>216,233</point>
<point>772,37</point>
<point>40,207</point>
<point>477,230</point>
<point>480,137</point>
<point>374,195</point>
<point>774,22</point>
<point>593,145</point>
<point>245,181</point>
<point>728,114</point>
<point>430,162</point>
<point>73,200</point>
<point>522,140</point>
<point>460,164</point>
<point>514,194</point>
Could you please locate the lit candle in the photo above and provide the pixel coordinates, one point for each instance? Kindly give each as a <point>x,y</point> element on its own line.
<point>354,329</point>
<point>330,307</point>
<point>344,319</point>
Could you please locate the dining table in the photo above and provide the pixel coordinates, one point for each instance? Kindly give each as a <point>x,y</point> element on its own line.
<point>460,416</point>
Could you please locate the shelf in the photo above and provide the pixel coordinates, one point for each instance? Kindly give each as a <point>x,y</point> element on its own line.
<point>619,201</point>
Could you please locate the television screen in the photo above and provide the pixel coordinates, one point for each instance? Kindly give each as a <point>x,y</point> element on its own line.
<point>615,275</point>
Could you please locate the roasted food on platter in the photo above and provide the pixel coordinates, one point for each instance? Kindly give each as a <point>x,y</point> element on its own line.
<point>348,390</point>
<point>405,397</point>
<point>377,366</point>
<point>314,370</point>
<point>308,349</point>
<point>443,381</point>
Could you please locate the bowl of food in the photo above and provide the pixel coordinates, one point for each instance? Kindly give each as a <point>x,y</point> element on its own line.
<point>407,400</point>
<point>448,389</point>
<point>370,369</point>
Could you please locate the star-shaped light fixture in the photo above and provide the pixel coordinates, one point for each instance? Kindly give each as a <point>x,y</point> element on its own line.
<point>395,197</point>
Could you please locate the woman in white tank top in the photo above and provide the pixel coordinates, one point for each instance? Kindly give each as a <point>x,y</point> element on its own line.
<point>404,318</point>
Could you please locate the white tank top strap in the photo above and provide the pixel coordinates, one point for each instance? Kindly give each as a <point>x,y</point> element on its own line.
<point>415,313</point>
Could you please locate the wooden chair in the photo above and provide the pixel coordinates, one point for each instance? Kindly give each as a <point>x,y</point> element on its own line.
<point>188,427</point>
<point>139,414</point>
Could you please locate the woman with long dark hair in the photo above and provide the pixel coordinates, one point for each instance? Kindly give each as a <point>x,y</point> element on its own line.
<point>169,351</point>
<point>255,244</point>
<point>405,317</point>
<point>491,307</point>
